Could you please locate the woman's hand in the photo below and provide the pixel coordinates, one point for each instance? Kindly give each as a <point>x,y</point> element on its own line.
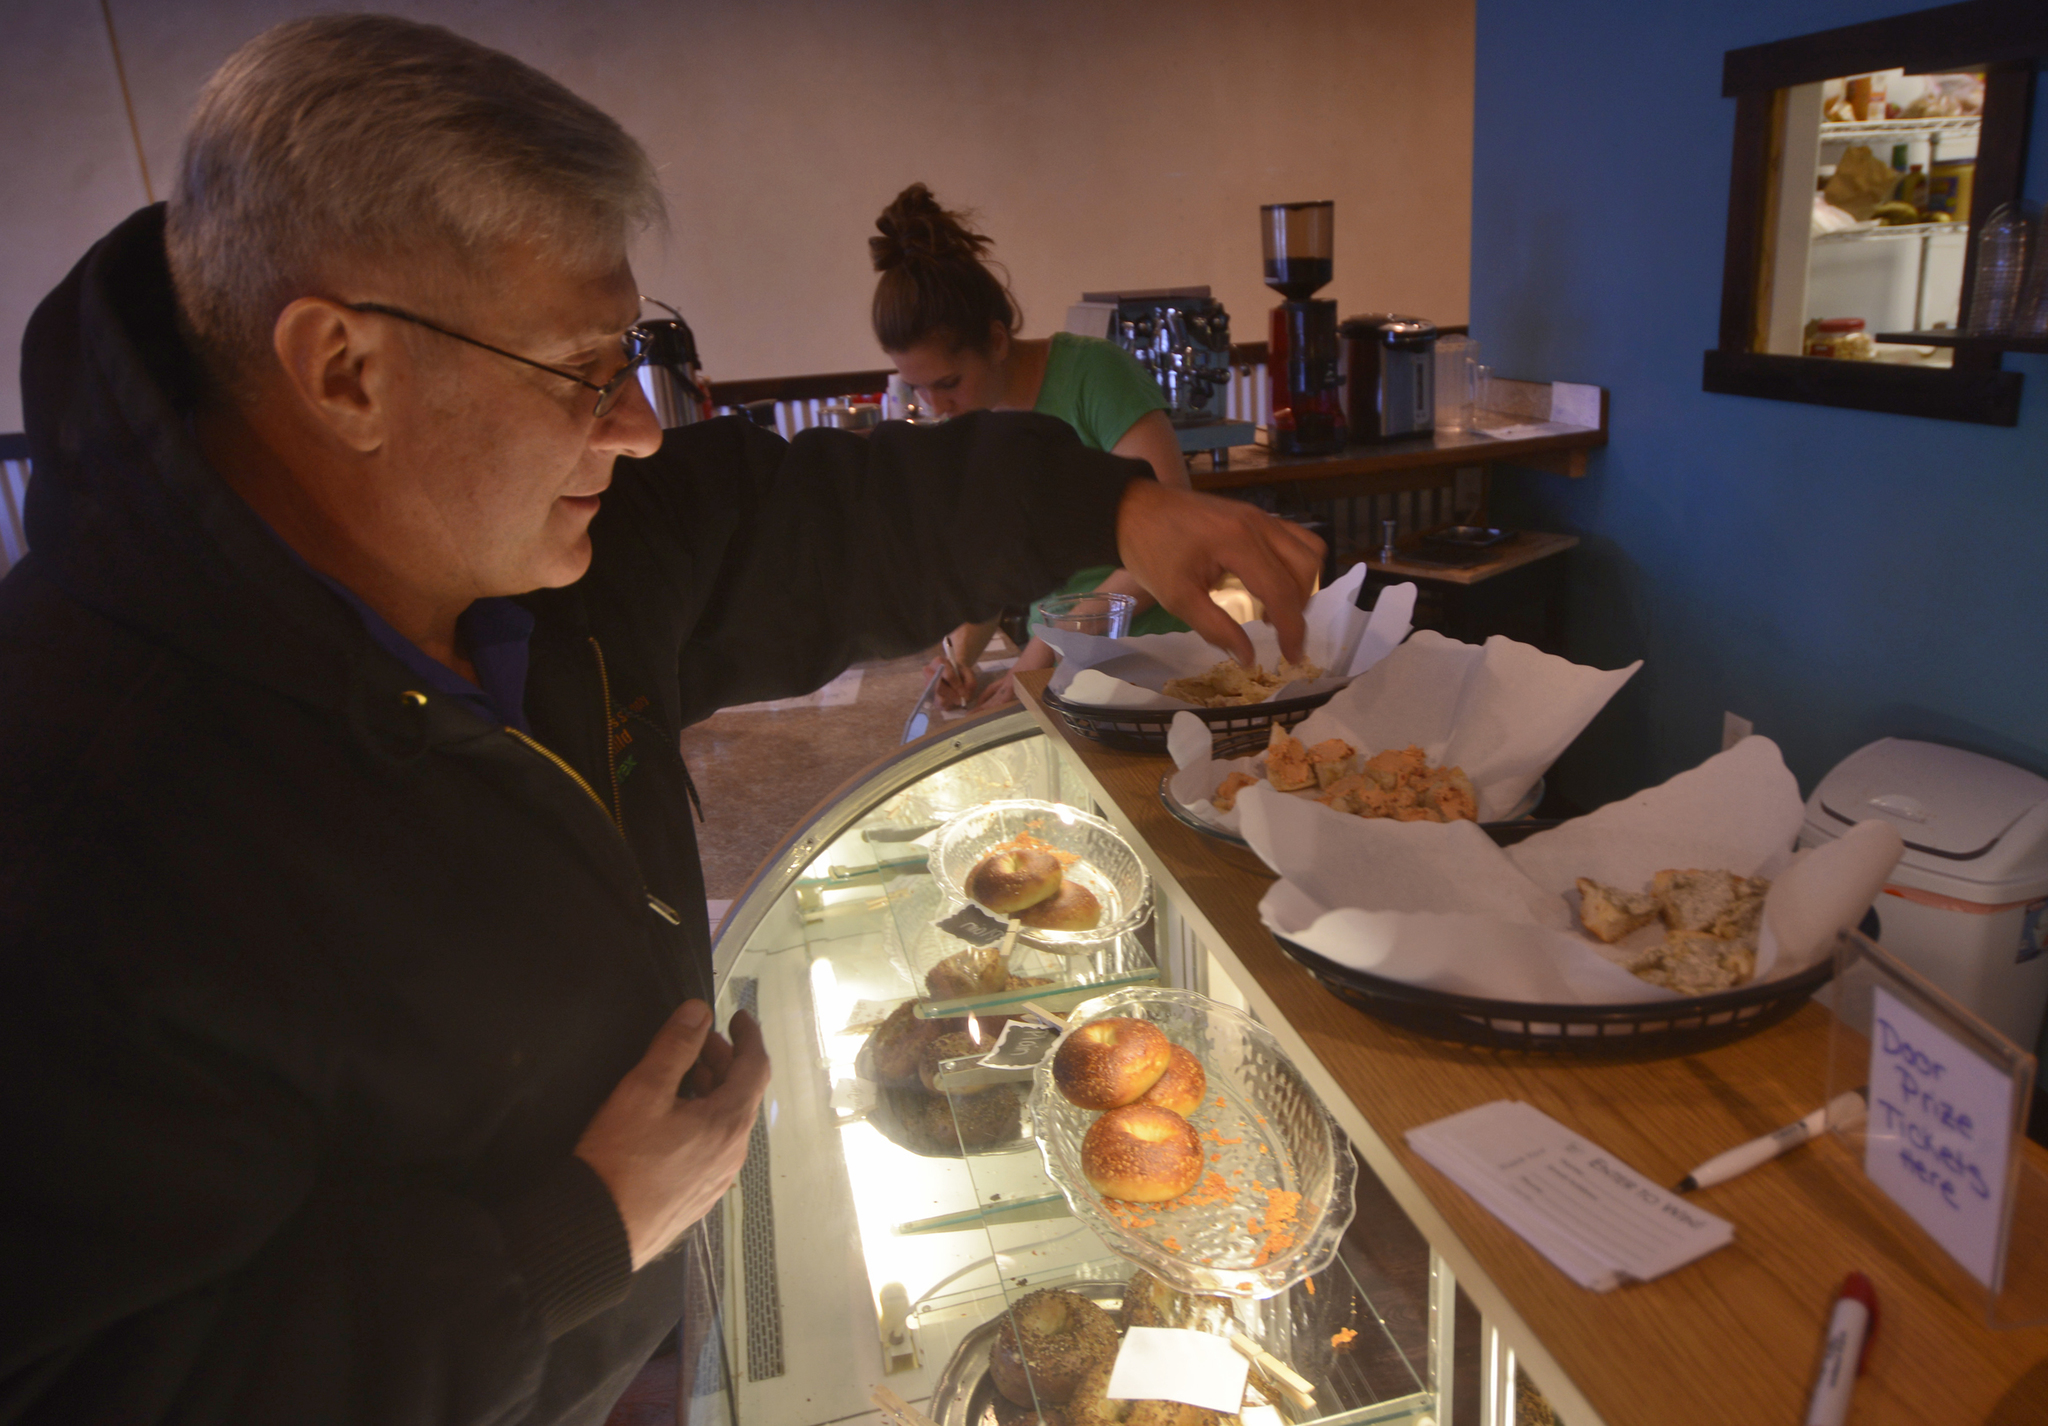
<point>1037,654</point>
<point>956,673</point>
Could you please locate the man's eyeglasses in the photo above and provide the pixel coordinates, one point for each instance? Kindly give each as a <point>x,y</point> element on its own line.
<point>635,343</point>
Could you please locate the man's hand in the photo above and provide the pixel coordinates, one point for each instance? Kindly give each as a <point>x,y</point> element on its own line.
<point>668,1160</point>
<point>1180,544</point>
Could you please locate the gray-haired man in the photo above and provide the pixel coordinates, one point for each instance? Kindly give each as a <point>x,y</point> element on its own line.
<point>352,970</point>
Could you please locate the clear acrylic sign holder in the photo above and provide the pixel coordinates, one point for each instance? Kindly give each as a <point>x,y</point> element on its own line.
<point>1927,1138</point>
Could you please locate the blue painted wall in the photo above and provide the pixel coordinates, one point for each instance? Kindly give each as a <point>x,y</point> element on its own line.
<point>1836,576</point>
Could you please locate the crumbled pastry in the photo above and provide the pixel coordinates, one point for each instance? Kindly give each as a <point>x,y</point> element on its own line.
<point>1711,917</point>
<point>1332,758</point>
<point>1227,790</point>
<point>1287,765</point>
<point>1398,783</point>
<point>1694,963</point>
<point>1611,913</point>
<point>1694,900</point>
<point>1230,684</point>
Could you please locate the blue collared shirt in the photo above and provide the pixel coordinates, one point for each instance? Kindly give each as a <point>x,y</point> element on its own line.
<point>493,632</point>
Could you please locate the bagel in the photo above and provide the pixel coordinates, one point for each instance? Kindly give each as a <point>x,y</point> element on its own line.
<point>966,973</point>
<point>1107,1063</point>
<point>937,1052</point>
<point>1090,1405</point>
<point>1072,908</point>
<point>1048,1342</point>
<point>1013,878</point>
<point>1148,1302</point>
<point>897,1042</point>
<point>1141,1154</point>
<point>954,1123</point>
<point>1182,1086</point>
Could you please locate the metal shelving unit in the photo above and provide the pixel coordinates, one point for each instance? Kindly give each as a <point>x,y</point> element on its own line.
<point>1930,132</point>
<point>1902,230</point>
<point>1901,128</point>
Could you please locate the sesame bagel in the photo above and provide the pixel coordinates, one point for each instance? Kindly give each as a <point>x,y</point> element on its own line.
<point>898,1042</point>
<point>1182,1086</point>
<point>1107,1063</point>
<point>1049,1341</point>
<point>1141,1153</point>
<point>1091,1405</point>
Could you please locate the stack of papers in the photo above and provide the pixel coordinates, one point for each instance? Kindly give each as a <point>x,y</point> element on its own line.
<point>1595,1217</point>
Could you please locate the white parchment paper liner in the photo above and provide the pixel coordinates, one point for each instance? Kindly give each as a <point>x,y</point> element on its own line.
<point>1501,710</point>
<point>1128,673</point>
<point>1440,905</point>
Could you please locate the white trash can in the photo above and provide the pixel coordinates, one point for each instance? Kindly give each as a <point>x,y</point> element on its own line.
<point>1967,905</point>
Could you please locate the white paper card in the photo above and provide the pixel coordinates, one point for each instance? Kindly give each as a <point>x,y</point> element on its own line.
<point>1940,1130</point>
<point>1573,404</point>
<point>1172,1364</point>
<point>1596,1218</point>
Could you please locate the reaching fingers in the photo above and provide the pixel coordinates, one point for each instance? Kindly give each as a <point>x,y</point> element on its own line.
<point>1279,570</point>
<point>675,1047</point>
<point>1206,617</point>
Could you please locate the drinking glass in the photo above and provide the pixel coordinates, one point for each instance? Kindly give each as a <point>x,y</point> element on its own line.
<point>1456,356</point>
<point>1107,616</point>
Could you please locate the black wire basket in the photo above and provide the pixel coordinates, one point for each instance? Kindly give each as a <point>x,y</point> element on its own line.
<point>1654,1029</point>
<point>1143,730</point>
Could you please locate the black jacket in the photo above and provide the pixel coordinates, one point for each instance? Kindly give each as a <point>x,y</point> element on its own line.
<point>310,986</point>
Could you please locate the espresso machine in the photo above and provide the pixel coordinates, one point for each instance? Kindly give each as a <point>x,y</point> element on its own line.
<point>1181,336</point>
<point>1303,358</point>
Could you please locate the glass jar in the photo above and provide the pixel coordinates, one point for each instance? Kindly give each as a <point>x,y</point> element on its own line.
<point>1840,337</point>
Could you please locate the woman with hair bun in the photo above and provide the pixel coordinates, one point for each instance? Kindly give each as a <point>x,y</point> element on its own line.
<point>950,326</point>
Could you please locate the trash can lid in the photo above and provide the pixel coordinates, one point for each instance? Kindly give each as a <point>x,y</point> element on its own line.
<point>1946,803</point>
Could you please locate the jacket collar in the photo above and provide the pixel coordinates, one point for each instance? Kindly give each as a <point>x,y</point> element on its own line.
<point>125,514</point>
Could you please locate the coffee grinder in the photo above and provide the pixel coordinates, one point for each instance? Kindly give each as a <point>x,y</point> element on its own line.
<point>1302,351</point>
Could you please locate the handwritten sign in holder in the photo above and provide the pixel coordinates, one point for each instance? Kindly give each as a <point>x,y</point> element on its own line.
<point>1942,1136</point>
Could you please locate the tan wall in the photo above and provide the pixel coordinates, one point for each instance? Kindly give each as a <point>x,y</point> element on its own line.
<point>1104,142</point>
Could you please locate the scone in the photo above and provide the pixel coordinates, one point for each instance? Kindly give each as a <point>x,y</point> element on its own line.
<point>1694,963</point>
<point>1694,900</point>
<point>1225,797</point>
<point>1611,913</point>
<point>1332,758</point>
<point>1287,764</point>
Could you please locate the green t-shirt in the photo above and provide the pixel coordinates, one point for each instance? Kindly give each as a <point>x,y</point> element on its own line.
<point>1099,389</point>
<point>1096,387</point>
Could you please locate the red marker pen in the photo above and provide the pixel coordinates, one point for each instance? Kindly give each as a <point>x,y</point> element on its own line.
<point>1850,1329</point>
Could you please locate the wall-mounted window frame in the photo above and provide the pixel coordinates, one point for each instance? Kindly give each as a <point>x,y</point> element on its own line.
<point>2004,38</point>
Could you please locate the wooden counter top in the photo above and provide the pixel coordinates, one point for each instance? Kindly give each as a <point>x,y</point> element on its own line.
<point>1528,547</point>
<point>1420,462</point>
<point>1734,1337</point>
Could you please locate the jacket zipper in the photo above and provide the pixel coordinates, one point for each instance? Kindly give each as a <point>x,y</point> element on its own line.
<point>574,775</point>
<point>616,812</point>
<point>611,762</point>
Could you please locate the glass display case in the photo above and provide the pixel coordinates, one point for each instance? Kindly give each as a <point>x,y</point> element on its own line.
<point>880,1233</point>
